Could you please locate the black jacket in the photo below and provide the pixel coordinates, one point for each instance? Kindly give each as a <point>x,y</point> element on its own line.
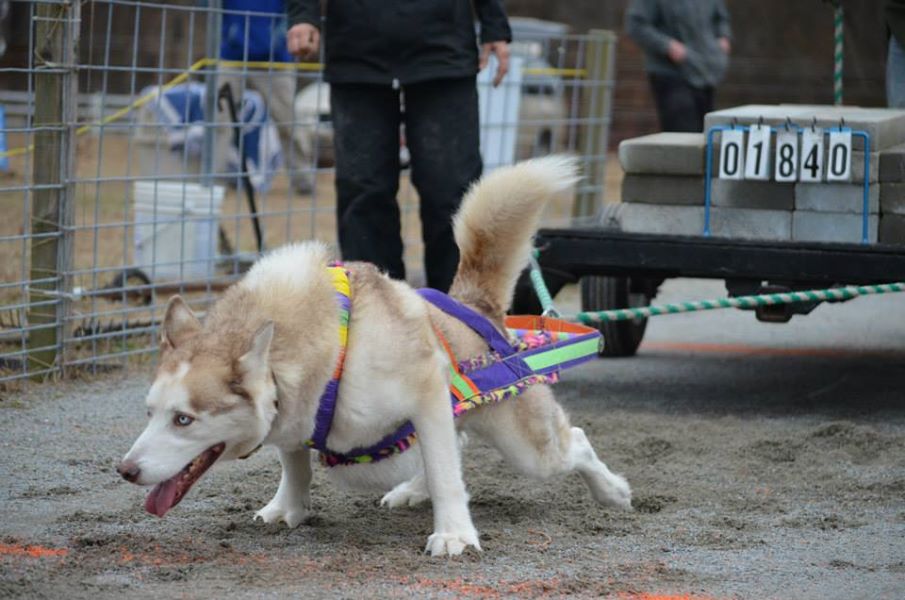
<point>404,41</point>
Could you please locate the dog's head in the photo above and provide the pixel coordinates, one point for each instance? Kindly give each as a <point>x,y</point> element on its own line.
<point>213,398</point>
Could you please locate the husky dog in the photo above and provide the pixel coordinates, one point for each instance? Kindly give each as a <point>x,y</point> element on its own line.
<point>254,371</point>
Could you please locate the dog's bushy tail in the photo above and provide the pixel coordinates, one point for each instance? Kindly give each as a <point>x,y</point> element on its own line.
<point>495,224</point>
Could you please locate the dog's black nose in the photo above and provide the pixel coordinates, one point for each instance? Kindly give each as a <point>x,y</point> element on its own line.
<point>129,470</point>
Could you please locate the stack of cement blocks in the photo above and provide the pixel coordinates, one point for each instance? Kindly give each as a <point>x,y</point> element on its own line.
<point>663,190</point>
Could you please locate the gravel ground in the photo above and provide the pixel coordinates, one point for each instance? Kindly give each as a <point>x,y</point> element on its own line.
<point>766,462</point>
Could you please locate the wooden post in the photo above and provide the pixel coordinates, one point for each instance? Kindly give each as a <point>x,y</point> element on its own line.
<point>596,101</point>
<point>55,90</point>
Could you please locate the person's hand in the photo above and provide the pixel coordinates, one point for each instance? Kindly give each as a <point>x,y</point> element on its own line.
<point>677,51</point>
<point>725,44</point>
<point>501,50</point>
<point>303,40</point>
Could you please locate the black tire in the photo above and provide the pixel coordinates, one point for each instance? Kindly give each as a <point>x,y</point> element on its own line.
<point>621,338</point>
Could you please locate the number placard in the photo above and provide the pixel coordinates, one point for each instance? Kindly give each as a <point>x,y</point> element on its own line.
<point>732,154</point>
<point>811,155</point>
<point>839,156</point>
<point>786,167</point>
<point>757,157</point>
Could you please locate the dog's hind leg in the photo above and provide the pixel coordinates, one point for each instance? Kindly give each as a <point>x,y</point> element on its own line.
<point>533,434</point>
<point>414,491</point>
<point>408,493</point>
<point>293,500</point>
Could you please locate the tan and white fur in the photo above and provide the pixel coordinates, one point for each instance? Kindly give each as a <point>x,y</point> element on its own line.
<point>254,371</point>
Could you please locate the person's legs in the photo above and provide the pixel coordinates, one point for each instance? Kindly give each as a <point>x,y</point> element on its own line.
<point>677,104</point>
<point>442,131</point>
<point>704,101</point>
<point>366,139</point>
<point>278,89</point>
<point>895,74</point>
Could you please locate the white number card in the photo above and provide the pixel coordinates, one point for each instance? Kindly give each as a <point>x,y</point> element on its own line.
<point>839,156</point>
<point>786,167</point>
<point>732,154</point>
<point>757,157</point>
<point>811,155</point>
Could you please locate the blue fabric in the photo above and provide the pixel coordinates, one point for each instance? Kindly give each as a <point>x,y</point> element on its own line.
<point>181,110</point>
<point>265,33</point>
<point>895,74</point>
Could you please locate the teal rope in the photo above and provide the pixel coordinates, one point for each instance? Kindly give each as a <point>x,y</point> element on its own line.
<point>843,293</point>
<point>540,288</point>
<point>839,39</point>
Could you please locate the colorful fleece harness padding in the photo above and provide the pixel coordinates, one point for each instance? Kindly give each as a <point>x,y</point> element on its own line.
<point>539,348</point>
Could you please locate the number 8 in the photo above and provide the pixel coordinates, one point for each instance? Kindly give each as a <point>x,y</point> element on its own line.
<point>786,166</point>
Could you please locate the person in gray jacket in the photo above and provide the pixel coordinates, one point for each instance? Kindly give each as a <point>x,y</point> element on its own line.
<point>686,45</point>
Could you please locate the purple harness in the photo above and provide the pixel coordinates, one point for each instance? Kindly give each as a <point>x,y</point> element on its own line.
<point>501,373</point>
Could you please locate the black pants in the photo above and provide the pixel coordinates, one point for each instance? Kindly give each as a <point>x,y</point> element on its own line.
<point>441,130</point>
<point>681,107</point>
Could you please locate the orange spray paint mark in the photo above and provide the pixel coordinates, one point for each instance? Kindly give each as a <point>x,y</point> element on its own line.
<point>32,551</point>
<point>644,596</point>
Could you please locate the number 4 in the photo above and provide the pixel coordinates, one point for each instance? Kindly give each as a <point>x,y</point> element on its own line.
<point>812,155</point>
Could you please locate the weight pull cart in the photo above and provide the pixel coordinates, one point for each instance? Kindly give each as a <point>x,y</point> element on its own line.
<point>617,270</point>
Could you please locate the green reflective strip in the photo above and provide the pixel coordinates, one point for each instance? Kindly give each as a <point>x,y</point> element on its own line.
<point>461,385</point>
<point>555,356</point>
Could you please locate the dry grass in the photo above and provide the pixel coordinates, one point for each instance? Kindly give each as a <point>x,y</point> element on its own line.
<point>103,233</point>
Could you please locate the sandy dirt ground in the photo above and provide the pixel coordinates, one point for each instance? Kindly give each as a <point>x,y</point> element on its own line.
<point>766,462</point>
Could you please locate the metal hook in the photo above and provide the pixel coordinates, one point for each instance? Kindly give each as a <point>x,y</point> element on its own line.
<point>788,124</point>
<point>841,123</point>
<point>734,122</point>
<point>813,124</point>
<point>760,122</point>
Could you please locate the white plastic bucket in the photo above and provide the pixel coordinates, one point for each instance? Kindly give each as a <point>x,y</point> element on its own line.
<point>176,229</point>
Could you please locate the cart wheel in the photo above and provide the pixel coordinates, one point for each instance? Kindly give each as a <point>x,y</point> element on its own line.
<point>621,338</point>
<point>132,278</point>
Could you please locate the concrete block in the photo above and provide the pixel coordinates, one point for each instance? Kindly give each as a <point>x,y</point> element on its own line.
<point>892,198</point>
<point>811,226</point>
<point>892,164</point>
<point>858,167</point>
<point>751,223</point>
<point>664,154</point>
<point>836,197</point>
<point>752,194</point>
<point>663,189</point>
<point>892,229</point>
<point>652,218</point>
<point>738,223</point>
<point>886,127</point>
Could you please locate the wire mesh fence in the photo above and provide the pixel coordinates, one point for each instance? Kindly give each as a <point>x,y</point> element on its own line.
<point>136,163</point>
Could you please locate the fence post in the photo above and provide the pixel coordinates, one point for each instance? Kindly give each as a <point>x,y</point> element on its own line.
<point>55,89</point>
<point>596,106</point>
<point>212,51</point>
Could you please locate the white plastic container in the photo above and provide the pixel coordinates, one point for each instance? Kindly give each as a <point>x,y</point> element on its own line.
<point>176,229</point>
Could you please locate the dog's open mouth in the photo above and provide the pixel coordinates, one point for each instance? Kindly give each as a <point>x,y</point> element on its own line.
<point>169,493</point>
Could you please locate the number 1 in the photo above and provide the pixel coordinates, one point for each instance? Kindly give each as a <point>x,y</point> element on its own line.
<point>758,164</point>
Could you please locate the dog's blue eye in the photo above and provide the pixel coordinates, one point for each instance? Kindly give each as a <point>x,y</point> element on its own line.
<point>182,420</point>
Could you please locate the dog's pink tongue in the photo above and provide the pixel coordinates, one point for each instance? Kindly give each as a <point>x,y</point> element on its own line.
<point>162,498</point>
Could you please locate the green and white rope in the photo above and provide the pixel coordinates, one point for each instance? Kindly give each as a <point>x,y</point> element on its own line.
<point>841,293</point>
<point>838,46</point>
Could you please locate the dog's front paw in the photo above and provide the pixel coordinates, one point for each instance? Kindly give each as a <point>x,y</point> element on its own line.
<point>405,494</point>
<point>451,544</point>
<point>275,512</point>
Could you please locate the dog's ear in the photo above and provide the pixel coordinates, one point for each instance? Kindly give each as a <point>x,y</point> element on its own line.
<point>179,324</point>
<point>257,359</point>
